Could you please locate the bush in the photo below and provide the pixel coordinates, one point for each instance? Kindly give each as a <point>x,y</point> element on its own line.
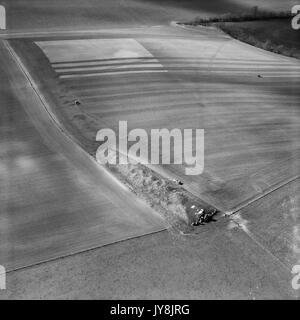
<point>267,45</point>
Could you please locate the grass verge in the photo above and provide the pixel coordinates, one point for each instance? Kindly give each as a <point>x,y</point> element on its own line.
<point>165,196</point>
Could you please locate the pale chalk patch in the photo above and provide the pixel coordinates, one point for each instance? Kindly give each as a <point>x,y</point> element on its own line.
<point>139,66</point>
<point>109,74</point>
<point>102,62</point>
<point>92,49</point>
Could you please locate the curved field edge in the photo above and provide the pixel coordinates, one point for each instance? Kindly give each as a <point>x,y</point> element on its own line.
<point>273,35</point>
<point>256,37</point>
<point>165,196</point>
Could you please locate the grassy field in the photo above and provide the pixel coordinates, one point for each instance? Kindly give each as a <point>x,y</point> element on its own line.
<point>273,35</point>
<point>55,204</point>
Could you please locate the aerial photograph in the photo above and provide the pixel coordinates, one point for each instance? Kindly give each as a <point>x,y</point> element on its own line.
<point>149,150</point>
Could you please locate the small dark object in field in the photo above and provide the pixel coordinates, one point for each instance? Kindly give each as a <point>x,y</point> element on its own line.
<point>202,216</point>
<point>178,182</point>
<point>259,76</point>
<point>77,102</point>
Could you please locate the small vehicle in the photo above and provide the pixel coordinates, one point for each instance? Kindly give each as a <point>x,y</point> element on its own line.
<point>207,217</point>
<point>198,217</point>
<point>202,216</point>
